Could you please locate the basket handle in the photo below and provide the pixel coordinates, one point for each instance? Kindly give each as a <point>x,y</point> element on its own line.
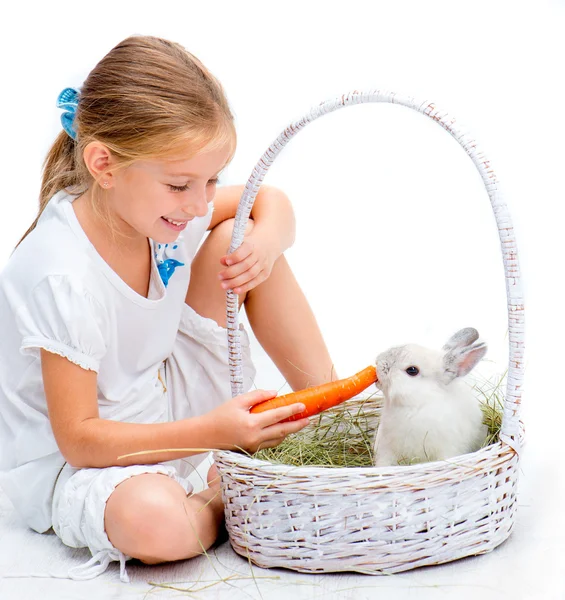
<point>514,295</point>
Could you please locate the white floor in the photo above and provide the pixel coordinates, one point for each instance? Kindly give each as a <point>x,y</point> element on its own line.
<point>530,565</point>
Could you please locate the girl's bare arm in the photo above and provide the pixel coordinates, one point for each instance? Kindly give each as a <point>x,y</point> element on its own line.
<point>86,440</point>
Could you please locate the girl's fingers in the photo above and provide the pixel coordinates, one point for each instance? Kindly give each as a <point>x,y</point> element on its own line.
<point>237,274</point>
<point>268,444</point>
<point>252,398</point>
<point>252,283</point>
<point>276,415</point>
<point>245,250</point>
<point>277,433</point>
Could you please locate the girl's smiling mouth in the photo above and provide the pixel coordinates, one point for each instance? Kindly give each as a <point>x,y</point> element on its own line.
<point>176,225</point>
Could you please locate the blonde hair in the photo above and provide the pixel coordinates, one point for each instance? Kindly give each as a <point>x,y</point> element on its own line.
<point>148,98</point>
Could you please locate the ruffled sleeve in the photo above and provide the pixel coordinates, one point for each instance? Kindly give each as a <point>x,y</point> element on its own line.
<point>61,316</point>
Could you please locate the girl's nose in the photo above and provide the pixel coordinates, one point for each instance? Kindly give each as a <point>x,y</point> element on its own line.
<point>201,209</point>
<point>198,205</point>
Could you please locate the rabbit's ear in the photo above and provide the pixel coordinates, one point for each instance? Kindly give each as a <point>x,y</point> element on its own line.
<point>464,337</point>
<point>457,362</point>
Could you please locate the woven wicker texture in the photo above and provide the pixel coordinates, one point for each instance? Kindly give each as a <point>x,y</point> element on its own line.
<point>388,519</point>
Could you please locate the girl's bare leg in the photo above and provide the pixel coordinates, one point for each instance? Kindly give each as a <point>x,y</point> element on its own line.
<point>285,326</point>
<point>278,312</point>
<point>151,518</point>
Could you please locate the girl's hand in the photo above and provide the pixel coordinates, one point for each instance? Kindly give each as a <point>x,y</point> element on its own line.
<point>249,265</point>
<point>232,426</point>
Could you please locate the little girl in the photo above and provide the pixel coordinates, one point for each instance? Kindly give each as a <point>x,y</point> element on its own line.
<point>112,315</point>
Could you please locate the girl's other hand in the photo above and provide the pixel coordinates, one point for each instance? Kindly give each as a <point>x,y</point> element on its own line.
<point>249,265</point>
<point>232,426</point>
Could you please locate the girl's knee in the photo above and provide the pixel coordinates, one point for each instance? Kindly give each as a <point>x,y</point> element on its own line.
<point>149,517</point>
<point>222,233</point>
<point>187,533</point>
<point>142,514</point>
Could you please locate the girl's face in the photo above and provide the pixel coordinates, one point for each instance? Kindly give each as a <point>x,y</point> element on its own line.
<point>157,199</point>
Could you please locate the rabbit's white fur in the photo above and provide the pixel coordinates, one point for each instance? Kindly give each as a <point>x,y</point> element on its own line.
<point>433,415</point>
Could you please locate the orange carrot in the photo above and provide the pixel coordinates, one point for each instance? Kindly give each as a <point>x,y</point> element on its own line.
<point>321,397</point>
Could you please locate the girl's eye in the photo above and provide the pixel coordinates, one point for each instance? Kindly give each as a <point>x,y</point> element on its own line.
<point>412,371</point>
<point>178,188</point>
<point>183,188</point>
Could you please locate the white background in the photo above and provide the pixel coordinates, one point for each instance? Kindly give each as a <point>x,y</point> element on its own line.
<point>396,239</point>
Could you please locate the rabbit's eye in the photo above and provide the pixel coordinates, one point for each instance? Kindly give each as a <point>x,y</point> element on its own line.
<point>413,371</point>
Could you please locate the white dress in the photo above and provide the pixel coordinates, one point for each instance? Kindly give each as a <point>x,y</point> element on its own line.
<point>57,293</point>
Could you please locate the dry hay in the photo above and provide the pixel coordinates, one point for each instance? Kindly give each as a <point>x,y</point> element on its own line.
<point>343,436</point>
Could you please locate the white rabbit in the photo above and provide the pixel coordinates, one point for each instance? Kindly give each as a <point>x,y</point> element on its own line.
<point>429,413</point>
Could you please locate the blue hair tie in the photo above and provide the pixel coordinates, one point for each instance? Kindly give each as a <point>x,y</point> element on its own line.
<point>68,100</point>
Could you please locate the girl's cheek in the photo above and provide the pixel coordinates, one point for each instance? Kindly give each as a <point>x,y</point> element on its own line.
<point>170,203</point>
<point>210,193</point>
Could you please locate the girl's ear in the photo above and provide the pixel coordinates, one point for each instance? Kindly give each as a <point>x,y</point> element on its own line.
<point>458,362</point>
<point>98,160</point>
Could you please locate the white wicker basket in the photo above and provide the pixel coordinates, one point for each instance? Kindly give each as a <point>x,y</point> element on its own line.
<point>387,519</point>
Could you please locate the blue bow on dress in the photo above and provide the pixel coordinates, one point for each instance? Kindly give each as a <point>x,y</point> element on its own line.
<point>68,100</point>
<point>167,268</point>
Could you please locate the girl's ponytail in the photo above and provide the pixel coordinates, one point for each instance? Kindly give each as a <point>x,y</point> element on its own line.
<point>59,172</point>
